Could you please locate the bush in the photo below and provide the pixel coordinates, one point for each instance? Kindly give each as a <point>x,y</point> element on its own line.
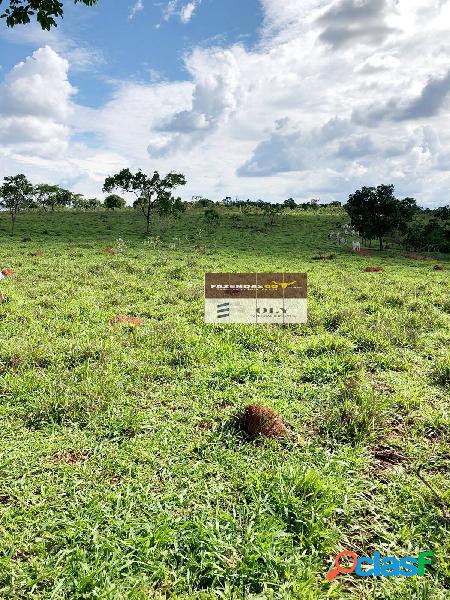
<point>114,201</point>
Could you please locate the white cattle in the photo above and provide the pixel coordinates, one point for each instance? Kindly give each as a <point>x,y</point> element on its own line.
<point>356,246</point>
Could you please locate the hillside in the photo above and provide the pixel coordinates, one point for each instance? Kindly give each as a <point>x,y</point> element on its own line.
<point>122,472</point>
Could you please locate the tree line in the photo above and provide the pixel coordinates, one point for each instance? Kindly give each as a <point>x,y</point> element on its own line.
<point>153,195</point>
<point>374,211</point>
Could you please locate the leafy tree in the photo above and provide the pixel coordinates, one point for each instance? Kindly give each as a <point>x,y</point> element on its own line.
<point>443,212</point>
<point>290,203</point>
<point>153,193</point>
<point>202,202</point>
<point>20,12</point>
<point>93,203</point>
<point>375,212</point>
<point>79,202</point>
<point>114,201</point>
<point>432,235</point>
<point>52,196</point>
<point>16,195</point>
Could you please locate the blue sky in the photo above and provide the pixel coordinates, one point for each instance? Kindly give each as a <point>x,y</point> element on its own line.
<point>254,98</point>
<point>146,47</point>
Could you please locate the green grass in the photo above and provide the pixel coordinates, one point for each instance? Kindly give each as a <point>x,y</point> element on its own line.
<point>122,474</point>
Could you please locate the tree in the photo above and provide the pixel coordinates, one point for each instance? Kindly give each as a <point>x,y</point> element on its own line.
<point>375,212</point>
<point>114,201</point>
<point>93,203</point>
<point>443,212</point>
<point>290,203</point>
<point>20,12</point>
<point>16,194</point>
<point>201,201</point>
<point>52,196</point>
<point>431,234</point>
<point>153,193</point>
<point>79,202</point>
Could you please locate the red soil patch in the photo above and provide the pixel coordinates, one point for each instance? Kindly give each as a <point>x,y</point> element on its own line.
<point>261,420</point>
<point>109,251</point>
<point>373,269</point>
<point>439,268</point>
<point>134,321</point>
<point>363,252</point>
<point>36,254</point>
<point>8,272</point>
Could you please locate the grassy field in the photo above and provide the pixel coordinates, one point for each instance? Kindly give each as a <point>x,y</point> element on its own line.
<point>122,472</point>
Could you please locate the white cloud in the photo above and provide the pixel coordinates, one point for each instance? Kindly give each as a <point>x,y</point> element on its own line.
<point>170,9</point>
<point>35,104</point>
<point>187,11</point>
<point>137,7</point>
<point>184,11</point>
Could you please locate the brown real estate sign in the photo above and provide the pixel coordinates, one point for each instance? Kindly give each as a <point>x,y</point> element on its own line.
<point>256,298</point>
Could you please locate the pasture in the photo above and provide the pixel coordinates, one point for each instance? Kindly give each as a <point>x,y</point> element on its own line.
<point>122,472</point>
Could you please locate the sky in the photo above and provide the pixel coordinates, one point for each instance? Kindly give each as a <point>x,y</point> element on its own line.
<point>254,99</point>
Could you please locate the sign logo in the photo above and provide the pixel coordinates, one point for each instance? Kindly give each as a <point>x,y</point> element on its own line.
<point>223,310</point>
<point>384,567</point>
<point>271,311</point>
<point>283,285</point>
<point>256,298</point>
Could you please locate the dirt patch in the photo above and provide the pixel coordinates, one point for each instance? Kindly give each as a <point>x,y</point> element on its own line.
<point>5,499</point>
<point>14,361</point>
<point>8,272</point>
<point>373,270</point>
<point>205,425</point>
<point>21,555</point>
<point>2,297</point>
<point>109,251</point>
<point>388,457</point>
<point>70,457</point>
<point>37,254</point>
<point>363,252</point>
<point>133,321</point>
<point>200,248</point>
<point>439,268</point>
<point>260,420</point>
